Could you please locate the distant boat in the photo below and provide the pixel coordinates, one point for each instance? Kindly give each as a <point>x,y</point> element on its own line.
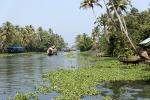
<point>51,51</point>
<point>15,49</point>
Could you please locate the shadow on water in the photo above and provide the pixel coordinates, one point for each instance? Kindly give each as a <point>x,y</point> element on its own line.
<point>123,90</point>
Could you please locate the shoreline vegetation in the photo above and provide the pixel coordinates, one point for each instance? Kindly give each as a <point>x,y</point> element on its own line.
<point>77,84</point>
<point>29,38</point>
<point>117,32</point>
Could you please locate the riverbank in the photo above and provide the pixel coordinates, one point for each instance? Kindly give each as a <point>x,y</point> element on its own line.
<point>83,82</point>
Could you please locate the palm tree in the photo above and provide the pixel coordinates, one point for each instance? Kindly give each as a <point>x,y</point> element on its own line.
<point>116,5</point>
<point>8,33</point>
<point>104,21</point>
<point>120,5</point>
<point>95,36</point>
<point>90,4</point>
<point>109,15</point>
<point>122,23</point>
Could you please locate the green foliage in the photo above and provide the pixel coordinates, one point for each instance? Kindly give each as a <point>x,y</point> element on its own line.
<point>126,52</point>
<point>75,84</point>
<point>44,89</point>
<point>29,37</point>
<point>27,96</point>
<point>83,42</point>
<point>120,30</point>
<point>138,24</point>
<point>20,96</point>
<point>107,98</point>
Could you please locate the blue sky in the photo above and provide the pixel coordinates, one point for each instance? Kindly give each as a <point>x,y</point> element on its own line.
<point>63,16</point>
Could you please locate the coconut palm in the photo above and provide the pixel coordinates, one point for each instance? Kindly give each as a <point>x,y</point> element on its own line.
<point>110,15</point>
<point>95,36</point>
<point>90,4</point>
<point>121,5</point>
<point>104,21</point>
<point>8,33</point>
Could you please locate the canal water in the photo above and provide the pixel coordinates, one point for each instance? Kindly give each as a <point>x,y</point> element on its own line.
<point>23,73</point>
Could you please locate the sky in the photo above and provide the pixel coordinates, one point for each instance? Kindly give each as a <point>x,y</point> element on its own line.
<point>64,16</point>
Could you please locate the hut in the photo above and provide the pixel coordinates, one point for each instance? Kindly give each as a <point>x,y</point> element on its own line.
<point>15,49</point>
<point>145,42</point>
<point>144,52</point>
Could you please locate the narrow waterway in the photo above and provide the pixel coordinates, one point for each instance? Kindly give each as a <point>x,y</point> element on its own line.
<point>23,73</point>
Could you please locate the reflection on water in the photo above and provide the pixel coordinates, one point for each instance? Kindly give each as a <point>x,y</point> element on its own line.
<point>123,90</point>
<point>21,73</point>
<point>128,90</point>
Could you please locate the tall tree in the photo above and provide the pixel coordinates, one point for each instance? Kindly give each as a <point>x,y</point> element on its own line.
<point>7,34</point>
<point>121,22</point>
<point>104,21</point>
<point>90,4</point>
<point>95,37</point>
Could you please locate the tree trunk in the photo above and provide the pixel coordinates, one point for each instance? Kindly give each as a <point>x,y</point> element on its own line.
<point>124,23</point>
<point>97,36</point>
<point>94,13</point>
<point>106,34</point>
<point>110,15</point>
<point>122,26</point>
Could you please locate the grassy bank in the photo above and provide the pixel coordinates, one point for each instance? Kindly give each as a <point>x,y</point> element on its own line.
<point>75,84</point>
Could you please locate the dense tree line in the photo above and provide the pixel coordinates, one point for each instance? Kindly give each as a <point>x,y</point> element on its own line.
<point>83,42</point>
<point>138,25</point>
<point>29,37</point>
<point>119,31</point>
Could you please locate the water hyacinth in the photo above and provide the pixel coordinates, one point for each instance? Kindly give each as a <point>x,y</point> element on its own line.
<point>76,84</point>
<point>79,83</point>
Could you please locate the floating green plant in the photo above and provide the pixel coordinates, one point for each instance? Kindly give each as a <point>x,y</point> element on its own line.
<point>76,84</point>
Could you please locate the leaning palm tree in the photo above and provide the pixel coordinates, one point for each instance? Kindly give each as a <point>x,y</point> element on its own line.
<point>121,6</point>
<point>110,15</point>
<point>122,23</point>
<point>90,4</point>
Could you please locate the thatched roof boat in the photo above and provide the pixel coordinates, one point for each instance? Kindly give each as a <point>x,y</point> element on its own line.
<point>51,51</point>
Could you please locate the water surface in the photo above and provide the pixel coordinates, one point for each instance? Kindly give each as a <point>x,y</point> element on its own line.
<point>22,73</point>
